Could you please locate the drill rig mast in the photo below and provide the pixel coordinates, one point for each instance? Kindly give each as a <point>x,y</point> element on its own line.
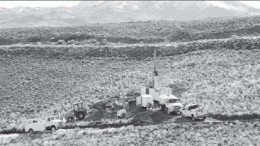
<point>155,73</point>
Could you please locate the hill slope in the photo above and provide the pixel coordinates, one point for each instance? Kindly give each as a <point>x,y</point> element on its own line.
<point>137,32</point>
<point>221,75</point>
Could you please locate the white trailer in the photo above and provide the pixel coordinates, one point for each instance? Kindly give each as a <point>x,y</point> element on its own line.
<point>164,98</point>
<point>145,101</point>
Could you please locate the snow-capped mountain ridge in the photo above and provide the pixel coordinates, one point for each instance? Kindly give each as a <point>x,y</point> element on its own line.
<point>224,5</point>
<point>122,11</point>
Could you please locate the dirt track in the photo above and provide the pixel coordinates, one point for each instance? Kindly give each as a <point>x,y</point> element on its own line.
<point>141,117</point>
<point>157,117</point>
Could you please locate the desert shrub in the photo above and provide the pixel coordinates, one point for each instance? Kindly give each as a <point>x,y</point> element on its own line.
<point>71,42</point>
<point>60,42</point>
<point>35,39</point>
<point>104,42</point>
<point>6,41</point>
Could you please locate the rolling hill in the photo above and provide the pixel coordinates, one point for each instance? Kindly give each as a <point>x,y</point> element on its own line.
<point>136,32</point>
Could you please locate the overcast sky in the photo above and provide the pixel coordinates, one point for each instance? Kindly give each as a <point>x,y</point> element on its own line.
<point>11,4</point>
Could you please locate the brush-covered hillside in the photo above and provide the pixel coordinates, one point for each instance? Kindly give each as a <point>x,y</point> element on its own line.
<point>134,32</point>
<point>224,80</point>
<point>222,74</point>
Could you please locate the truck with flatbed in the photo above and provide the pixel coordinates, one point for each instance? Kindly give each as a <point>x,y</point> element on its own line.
<point>170,104</point>
<point>49,123</point>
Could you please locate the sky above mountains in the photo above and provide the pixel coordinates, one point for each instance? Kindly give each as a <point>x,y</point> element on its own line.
<point>12,4</point>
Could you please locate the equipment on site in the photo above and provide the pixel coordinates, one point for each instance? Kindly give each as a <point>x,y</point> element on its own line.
<point>145,101</point>
<point>194,111</point>
<point>157,95</point>
<point>78,111</point>
<point>121,113</point>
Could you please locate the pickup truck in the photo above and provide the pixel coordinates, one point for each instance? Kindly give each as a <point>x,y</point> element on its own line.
<point>194,111</point>
<point>49,123</point>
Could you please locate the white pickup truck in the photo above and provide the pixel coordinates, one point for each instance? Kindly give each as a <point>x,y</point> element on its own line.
<point>193,111</point>
<point>49,123</point>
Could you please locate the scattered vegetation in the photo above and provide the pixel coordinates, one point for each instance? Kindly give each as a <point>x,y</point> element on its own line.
<point>135,51</point>
<point>235,133</point>
<point>41,74</point>
<point>224,81</point>
<point>137,32</point>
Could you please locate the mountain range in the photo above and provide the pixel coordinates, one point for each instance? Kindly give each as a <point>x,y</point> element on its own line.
<point>121,11</point>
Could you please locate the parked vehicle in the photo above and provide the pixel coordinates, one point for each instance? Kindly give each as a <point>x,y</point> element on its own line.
<point>121,113</point>
<point>49,123</point>
<point>194,111</point>
<point>79,112</point>
<point>170,104</point>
